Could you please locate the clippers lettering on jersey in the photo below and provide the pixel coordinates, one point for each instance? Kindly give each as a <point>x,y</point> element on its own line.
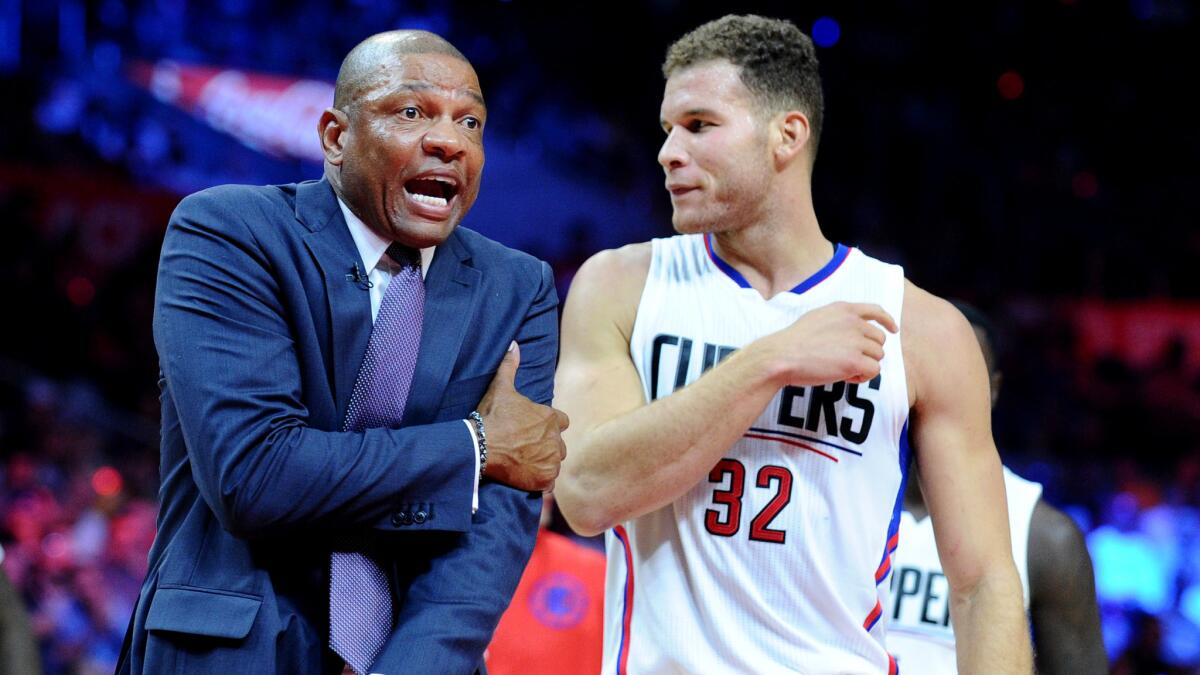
<point>920,597</point>
<point>823,407</point>
<point>824,413</point>
<point>839,410</point>
<point>821,415</point>
<point>682,348</point>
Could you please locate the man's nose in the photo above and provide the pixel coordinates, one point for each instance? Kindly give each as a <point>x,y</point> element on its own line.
<point>443,140</point>
<point>671,154</point>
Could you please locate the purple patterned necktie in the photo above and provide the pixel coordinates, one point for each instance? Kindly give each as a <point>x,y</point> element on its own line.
<point>360,602</point>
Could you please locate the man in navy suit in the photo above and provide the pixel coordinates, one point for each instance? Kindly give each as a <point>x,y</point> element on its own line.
<point>265,306</point>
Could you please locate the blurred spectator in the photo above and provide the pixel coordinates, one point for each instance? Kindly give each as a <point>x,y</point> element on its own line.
<point>1129,571</point>
<point>1144,656</point>
<point>18,649</point>
<point>555,624</point>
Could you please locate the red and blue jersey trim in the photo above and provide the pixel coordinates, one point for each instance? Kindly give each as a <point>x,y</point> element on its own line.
<point>803,440</point>
<point>869,623</point>
<point>893,531</point>
<point>794,444</point>
<point>840,253</point>
<point>886,566</point>
<point>873,617</point>
<point>892,541</point>
<point>627,612</point>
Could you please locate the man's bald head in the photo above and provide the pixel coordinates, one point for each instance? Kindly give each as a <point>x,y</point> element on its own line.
<point>371,56</point>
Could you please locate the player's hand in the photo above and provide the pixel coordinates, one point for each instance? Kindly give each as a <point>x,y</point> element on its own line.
<point>830,344</point>
<point>524,439</point>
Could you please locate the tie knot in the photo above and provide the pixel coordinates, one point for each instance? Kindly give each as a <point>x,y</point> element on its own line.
<point>404,256</point>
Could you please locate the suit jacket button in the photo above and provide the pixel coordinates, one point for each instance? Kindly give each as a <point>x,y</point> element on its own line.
<point>401,518</point>
<point>420,517</point>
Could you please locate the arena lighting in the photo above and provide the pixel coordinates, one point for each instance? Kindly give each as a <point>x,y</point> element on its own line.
<point>274,114</point>
<point>826,31</point>
<point>107,481</point>
<point>1084,185</point>
<point>81,291</point>
<point>56,545</point>
<point>1011,85</point>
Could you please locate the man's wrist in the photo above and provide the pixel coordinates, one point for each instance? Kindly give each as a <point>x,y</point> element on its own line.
<point>759,361</point>
<point>481,438</point>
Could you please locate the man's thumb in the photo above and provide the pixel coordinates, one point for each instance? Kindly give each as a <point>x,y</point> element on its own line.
<point>508,366</point>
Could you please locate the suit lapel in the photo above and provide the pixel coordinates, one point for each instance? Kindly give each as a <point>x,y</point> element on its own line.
<point>451,295</point>
<point>349,301</point>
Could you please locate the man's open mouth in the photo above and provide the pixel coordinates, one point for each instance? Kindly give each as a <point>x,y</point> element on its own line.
<point>432,190</point>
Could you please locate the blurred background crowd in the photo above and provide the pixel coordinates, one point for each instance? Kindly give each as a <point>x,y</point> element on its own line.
<point>1033,157</point>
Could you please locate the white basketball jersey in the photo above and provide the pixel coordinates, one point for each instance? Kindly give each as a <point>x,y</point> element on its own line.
<point>776,562</point>
<point>921,636</point>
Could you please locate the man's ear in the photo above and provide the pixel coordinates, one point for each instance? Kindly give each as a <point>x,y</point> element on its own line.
<point>330,127</point>
<point>792,132</point>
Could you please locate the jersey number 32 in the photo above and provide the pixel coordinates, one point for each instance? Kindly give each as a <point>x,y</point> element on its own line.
<point>728,524</point>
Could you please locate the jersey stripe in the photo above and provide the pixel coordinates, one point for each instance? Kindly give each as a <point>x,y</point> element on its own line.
<point>893,531</point>
<point>840,253</point>
<point>724,266</point>
<point>839,256</point>
<point>886,565</point>
<point>791,443</point>
<point>873,617</point>
<point>627,614</point>
<point>802,437</point>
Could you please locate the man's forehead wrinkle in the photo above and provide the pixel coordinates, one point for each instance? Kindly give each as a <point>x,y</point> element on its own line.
<point>384,89</point>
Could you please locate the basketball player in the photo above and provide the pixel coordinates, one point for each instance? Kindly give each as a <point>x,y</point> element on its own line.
<point>1052,561</point>
<point>741,396</point>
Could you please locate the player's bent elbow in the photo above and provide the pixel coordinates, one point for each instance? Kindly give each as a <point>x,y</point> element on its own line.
<point>588,527</point>
<point>586,517</point>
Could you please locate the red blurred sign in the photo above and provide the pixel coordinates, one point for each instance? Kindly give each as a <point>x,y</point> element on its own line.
<point>267,112</point>
<point>1138,332</point>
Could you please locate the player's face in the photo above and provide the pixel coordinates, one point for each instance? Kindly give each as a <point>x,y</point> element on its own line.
<point>413,150</point>
<point>716,156</point>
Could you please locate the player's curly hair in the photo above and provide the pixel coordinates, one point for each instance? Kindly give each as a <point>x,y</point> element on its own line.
<point>778,62</point>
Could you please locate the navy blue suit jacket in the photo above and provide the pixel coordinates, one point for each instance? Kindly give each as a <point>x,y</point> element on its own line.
<point>260,327</point>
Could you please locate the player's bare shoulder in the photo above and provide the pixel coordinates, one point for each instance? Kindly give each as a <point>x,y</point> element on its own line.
<point>937,339</point>
<point>609,285</point>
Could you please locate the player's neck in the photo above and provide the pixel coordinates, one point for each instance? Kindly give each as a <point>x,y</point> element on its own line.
<point>777,254</point>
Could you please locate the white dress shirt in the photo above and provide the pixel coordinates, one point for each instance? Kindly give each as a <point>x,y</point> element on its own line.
<point>380,268</point>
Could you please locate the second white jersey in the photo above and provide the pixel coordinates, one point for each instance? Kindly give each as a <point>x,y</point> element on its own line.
<point>921,636</point>
<point>777,562</point>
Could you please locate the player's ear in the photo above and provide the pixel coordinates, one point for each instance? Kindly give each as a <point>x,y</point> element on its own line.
<point>332,124</point>
<point>792,132</point>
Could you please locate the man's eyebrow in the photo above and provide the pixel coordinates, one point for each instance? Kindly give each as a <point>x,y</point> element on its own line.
<point>691,112</point>
<point>423,86</point>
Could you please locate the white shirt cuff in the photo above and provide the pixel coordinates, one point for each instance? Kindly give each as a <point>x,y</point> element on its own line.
<point>474,444</point>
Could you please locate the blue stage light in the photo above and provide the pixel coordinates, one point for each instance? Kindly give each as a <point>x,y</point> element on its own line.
<point>826,31</point>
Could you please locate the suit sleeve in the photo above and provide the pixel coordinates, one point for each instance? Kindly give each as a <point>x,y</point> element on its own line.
<point>231,369</point>
<point>452,607</point>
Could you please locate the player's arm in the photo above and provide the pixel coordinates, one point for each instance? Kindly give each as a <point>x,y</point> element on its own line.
<point>1062,597</point>
<point>963,485</point>
<point>627,457</point>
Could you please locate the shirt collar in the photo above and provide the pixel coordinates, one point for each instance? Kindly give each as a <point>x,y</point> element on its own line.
<point>371,246</point>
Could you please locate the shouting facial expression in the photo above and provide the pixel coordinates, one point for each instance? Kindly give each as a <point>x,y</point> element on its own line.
<point>716,156</point>
<point>412,147</point>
